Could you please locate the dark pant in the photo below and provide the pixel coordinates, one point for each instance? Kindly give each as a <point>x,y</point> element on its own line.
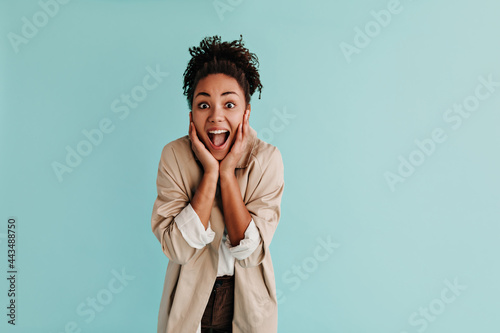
<point>218,314</point>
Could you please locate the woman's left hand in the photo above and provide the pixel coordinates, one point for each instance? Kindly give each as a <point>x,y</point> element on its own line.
<point>228,164</point>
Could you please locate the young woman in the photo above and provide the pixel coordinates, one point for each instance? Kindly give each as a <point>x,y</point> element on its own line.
<point>218,203</point>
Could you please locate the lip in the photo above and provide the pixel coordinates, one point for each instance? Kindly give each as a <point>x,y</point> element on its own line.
<point>210,141</point>
<point>217,128</point>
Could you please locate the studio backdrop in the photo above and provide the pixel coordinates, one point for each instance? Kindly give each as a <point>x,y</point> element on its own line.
<point>386,114</point>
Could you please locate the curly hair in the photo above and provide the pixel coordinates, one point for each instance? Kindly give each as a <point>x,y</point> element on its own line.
<point>230,58</point>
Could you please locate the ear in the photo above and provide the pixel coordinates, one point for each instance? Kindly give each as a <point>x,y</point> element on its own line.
<point>249,110</point>
<point>190,116</point>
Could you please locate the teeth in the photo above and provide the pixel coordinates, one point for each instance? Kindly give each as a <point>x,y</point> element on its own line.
<point>218,131</point>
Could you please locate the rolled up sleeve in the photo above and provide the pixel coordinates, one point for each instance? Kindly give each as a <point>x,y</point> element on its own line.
<point>192,229</point>
<point>247,245</point>
<point>264,205</point>
<point>171,200</point>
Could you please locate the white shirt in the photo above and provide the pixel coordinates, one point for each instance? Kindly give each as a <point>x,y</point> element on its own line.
<point>196,236</point>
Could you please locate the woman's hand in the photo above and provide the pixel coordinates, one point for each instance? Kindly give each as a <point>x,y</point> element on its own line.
<point>228,164</point>
<point>209,162</point>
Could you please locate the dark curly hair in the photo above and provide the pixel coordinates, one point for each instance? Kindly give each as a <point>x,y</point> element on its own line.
<point>230,58</point>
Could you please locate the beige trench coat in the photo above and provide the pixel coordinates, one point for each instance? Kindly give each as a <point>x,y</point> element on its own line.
<point>191,272</point>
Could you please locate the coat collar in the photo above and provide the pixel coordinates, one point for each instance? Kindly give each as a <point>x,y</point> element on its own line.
<point>245,158</point>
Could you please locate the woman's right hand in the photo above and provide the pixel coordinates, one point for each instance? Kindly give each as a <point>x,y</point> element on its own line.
<point>209,162</point>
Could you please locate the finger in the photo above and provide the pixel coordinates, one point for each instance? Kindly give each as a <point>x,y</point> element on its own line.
<point>244,135</point>
<point>240,132</point>
<point>243,127</point>
<point>247,123</point>
<point>237,139</point>
<point>191,131</point>
<point>197,142</point>
<point>193,135</point>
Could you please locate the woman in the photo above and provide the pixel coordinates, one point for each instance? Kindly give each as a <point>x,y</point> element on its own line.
<point>218,203</point>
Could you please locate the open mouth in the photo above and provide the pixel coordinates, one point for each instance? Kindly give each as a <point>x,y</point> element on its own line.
<point>218,138</point>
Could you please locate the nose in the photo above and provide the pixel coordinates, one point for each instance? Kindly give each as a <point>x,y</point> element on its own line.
<point>217,114</point>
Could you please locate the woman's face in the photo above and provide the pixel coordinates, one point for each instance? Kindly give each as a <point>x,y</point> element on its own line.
<point>218,105</point>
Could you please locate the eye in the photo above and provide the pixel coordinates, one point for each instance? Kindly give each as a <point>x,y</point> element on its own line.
<point>230,105</point>
<point>203,105</point>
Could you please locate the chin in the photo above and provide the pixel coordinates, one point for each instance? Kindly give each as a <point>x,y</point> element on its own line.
<point>219,156</point>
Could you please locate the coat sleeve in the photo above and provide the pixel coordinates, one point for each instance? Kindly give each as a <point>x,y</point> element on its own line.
<point>247,245</point>
<point>264,205</point>
<point>171,200</point>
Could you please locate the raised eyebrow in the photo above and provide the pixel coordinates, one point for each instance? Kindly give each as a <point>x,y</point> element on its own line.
<point>202,93</point>
<point>223,94</point>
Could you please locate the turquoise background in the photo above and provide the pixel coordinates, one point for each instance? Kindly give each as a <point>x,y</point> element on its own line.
<point>351,121</point>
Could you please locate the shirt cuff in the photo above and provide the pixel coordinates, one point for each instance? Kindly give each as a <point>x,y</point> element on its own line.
<point>247,245</point>
<point>192,229</point>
